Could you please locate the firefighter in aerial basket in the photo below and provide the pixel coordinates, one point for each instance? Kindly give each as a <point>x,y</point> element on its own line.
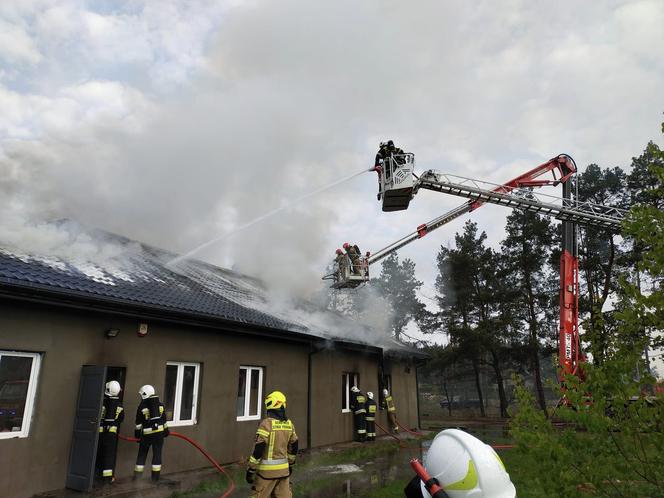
<point>112,415</point>
<point>354,254</point>
<point>275,449</point>
<point>340,262</point>
<point>459,465</point>
<point>358,406</point>
<point>151,429</point>
<point>371,417</point>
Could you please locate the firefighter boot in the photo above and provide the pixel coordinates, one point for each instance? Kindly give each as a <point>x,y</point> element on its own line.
<point>155,475</point>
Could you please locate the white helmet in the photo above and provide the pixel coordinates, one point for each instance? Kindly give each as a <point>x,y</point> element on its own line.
<point>465,467</point>
<point>385,392</point>
<point>369,395</point>
<point>112,388</point>
<point>146,391</point>
<point>355,389</point>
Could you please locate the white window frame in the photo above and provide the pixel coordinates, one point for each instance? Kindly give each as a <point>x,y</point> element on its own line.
<point>247,392</point>
<point>176,422</point>
<point>349,375</point>
<point>30,395</point>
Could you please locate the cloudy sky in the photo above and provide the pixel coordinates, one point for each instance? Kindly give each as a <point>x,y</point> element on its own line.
<point>174,122</point>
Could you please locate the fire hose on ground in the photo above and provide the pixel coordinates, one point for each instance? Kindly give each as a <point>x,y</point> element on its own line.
<point>231,486</point>
<point>414,433</point>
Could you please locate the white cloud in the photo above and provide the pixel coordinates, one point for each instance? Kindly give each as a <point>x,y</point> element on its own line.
<point>16,46</point>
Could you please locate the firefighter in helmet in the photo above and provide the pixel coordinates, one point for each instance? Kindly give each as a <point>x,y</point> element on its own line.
<point>388,404</point>
<point>371,417</point>
<point>151,429</point>
<point>275,449</point>
<point>112,415</point>
<point>340,263</point>
<point>354,254</point>
<point>459,465</point>
<point>358,406</point>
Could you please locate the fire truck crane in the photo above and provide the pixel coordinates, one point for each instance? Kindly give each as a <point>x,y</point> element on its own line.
<point>398,185</point>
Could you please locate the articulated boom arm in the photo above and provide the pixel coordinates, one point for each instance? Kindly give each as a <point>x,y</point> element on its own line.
<point>517,193</point>
<point>561,168</point>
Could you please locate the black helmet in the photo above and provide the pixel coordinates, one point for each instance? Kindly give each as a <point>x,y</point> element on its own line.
<point>390,143</point>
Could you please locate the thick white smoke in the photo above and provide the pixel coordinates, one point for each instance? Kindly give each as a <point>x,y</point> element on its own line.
<point>135,123</point>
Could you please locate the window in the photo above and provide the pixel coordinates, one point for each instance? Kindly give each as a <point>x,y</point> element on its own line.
<point>181,392</point>
<point>249,393</point>
<point>18,384</point>
<point>348,380</point>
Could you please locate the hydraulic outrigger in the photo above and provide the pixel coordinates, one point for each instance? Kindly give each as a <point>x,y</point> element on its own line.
<point>398,184</point>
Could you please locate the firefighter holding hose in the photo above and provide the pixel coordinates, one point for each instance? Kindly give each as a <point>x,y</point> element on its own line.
<point>275,449</point>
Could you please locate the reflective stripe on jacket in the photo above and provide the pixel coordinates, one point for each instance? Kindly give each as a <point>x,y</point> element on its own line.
<point>112,415</point>
<point>371,410</point>
<point>151,418</point>
<point>279,442</point>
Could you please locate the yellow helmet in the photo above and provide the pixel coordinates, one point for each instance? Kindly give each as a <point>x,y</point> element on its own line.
<point>275,400</point>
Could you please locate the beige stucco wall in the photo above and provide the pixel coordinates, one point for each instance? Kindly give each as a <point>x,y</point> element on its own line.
<point>70,339</point>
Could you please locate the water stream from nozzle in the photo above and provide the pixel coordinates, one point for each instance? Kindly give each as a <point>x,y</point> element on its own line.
<point>269,214</point>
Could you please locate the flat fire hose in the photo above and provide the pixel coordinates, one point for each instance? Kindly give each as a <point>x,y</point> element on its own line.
<point>414,433</point>
<point>389,433</point>
<point>216,464</point>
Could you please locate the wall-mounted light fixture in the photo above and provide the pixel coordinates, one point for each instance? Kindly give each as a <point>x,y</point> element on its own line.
<point>110,333</point>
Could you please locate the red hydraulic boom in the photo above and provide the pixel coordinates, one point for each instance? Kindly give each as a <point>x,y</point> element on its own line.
<point>516,193</point>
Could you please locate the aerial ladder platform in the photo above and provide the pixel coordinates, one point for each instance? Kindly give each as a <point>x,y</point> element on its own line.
<point>395,194</point>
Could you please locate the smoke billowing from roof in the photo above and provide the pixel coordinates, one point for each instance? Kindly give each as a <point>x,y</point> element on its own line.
<point>148,128</point>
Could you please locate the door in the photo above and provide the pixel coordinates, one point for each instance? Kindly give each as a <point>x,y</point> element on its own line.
<point>80,471</point>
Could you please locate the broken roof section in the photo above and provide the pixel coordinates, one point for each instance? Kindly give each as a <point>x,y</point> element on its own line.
<point>113,271</point>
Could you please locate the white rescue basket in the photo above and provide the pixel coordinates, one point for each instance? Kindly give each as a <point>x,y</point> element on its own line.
<point>396,181</point>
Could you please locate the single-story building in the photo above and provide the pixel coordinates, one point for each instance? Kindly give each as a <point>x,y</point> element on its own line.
<point>205,337</point>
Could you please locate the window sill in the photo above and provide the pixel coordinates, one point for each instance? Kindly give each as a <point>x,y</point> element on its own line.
<point>244,419</point>
<point>12,435</point>
<point>181,423</point>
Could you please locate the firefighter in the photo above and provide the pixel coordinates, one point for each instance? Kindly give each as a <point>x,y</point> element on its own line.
<point>340,261</point>
<point>275,449</point>
<point>112,415</point>
<point>358,406</point>
<point>382,154</point>
<point>371,417</point>
<point>354,254</point>
<point>388,404</point>
<point>151,429</point>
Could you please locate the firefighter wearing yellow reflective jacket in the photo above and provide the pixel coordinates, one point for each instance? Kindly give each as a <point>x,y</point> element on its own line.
<point>151,429</point>
<point>371,417</point>
<point>112,415</point>
<point>274,452</point>
<point>358,406</point>
<point>388,404</point>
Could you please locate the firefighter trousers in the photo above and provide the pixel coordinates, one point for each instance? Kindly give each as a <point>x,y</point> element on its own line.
<point>360,426</point>
<point>271,488</point>
<point>157,443</point>
<point>371,430</point>
<point>106,452</point>
<point>392,418</point>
